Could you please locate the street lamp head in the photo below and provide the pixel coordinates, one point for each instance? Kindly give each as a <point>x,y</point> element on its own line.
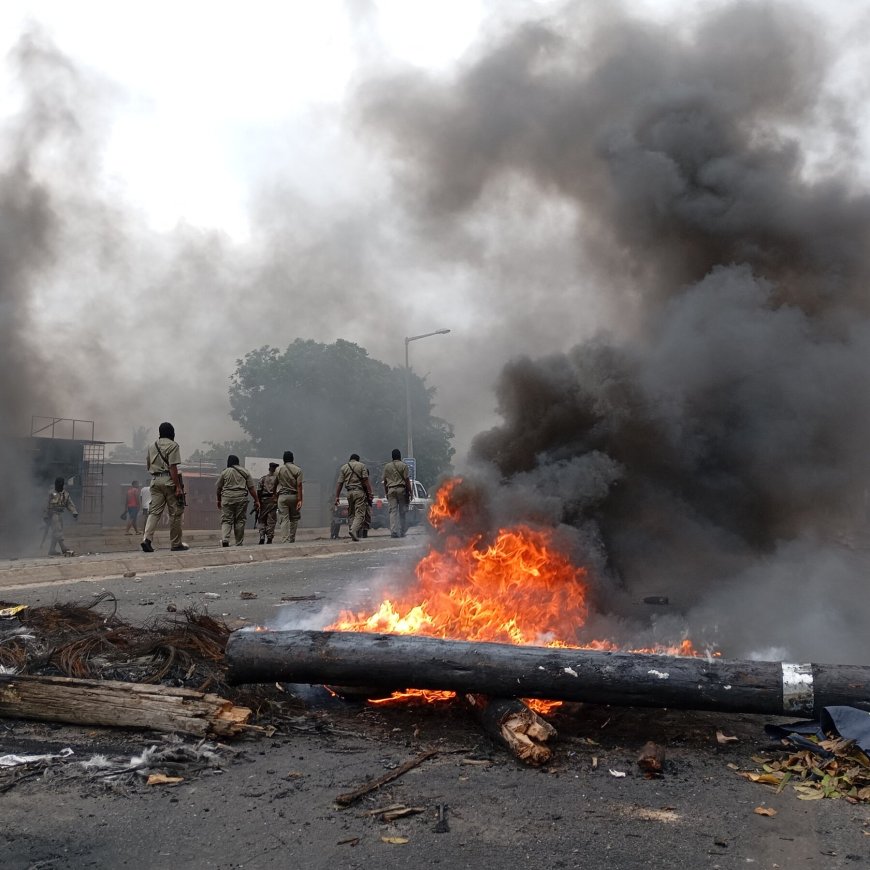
<point>411,338</point>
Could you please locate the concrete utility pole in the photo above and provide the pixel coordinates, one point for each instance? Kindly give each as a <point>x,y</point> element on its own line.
<point>408,340</point>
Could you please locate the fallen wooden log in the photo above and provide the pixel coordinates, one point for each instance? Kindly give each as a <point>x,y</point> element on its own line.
<point>122,705</point>
<point>503,670</point>
<point>515,726</point>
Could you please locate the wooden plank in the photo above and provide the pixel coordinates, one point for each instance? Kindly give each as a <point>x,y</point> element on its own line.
<point>121,705</point>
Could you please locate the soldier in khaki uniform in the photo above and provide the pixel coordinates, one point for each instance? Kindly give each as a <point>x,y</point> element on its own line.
<point>58,502</point>
<point>162,461</point>
<point>289,488</point>
<point>233,487</point>
<point>397,488</point>
<point>354,477</point>
<point>267,490</point>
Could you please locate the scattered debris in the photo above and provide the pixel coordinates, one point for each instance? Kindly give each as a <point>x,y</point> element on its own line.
<point>395,841</point>
<point>129,574</point>
<point>617,773</point>
<point>16,760</point>
<point>441,826</point>
<point>160,762</point>
<point>723,739</point>
<point>350,841</point>
<point>90,642</point>
<point>396,811</point>
<point>765,811</point>
<point>345,800</point>
<point>172,759</point>
<point>163,779</point>
<point>300,597</point>
<point>844,773</point>
<point>211,596</point>
<point>247,596</point>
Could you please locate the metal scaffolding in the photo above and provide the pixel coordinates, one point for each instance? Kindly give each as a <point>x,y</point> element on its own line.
<point>89,463</point>
<point>93,458</point>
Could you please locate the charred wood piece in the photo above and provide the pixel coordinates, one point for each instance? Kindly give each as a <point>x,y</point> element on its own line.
<point>651,759</point>
<point>515,726</point>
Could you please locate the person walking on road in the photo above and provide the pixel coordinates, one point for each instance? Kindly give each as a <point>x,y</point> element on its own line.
<point>232,488</point>
<point>167,488</point>
<point>289,488</point>
<point>267,516</point>
<point>397,488</point>
<point>132,509</point>
<point>58,501</point>
<point>354,477</point>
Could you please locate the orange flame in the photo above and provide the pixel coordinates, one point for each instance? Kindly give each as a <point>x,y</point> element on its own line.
<point>517,588</point>
<point>442,508</point>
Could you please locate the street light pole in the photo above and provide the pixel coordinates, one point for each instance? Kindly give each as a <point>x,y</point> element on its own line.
<point>408,340</point>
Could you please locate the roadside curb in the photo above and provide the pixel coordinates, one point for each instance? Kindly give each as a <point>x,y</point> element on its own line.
<point>60,570</point>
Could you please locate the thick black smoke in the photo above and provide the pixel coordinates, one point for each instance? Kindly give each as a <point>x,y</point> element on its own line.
<point>29,231</point>
<point>717,438</point>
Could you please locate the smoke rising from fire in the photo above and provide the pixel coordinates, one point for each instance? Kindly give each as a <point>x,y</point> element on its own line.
<point>30,227</point>
<point>721,425</point>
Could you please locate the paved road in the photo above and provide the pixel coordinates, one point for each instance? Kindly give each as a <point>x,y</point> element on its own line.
<point>336,571</point>
<point>273,806</point>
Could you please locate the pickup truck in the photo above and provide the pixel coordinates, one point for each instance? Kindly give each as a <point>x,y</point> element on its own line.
<point>418,511</point>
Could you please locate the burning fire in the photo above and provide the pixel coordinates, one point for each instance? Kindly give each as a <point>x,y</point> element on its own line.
<point>516,588</point>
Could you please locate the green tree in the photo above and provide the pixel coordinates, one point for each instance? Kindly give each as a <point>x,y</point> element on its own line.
<point>326,401</point>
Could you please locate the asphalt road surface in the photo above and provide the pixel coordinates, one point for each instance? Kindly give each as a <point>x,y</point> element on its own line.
<point>271,802</point>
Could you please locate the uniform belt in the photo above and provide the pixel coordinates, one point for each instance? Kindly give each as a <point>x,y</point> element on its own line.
<point>160,473</point>
<point>354,488</point>
<point>288,492</point>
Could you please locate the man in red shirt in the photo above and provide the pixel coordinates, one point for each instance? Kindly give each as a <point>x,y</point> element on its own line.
<point>132,508</point>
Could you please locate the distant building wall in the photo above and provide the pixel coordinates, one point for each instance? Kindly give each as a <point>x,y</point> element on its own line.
<point>202,512</point>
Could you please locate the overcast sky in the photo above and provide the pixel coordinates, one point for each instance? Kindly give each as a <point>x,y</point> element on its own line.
<point>218,174</point>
